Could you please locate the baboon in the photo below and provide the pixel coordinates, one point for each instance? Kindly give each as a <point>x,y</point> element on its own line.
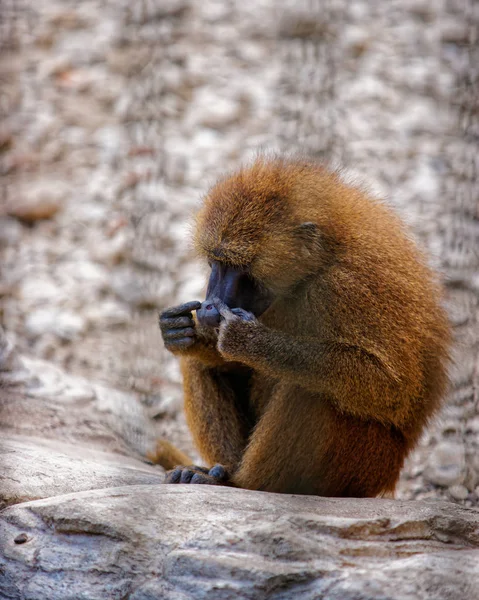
<point>321,350</point>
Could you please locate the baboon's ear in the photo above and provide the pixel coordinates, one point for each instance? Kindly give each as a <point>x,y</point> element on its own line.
<point>313,239</point>
<point>308,237</point>
<point>308,233</point>
<point>307,229</point>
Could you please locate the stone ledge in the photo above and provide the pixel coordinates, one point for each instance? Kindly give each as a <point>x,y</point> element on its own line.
<point>144,542</point>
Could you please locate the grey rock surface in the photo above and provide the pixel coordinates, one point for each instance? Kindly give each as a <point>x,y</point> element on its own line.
<point>34,468</point>
<point>39,399</point>
<point>194,542</point>
<point>119,115</point>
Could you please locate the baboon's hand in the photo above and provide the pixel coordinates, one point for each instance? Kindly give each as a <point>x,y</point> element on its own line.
<point>233,320</point>
<point>178,327</point>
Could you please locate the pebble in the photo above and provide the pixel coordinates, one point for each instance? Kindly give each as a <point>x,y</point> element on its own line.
<point>215,112</point>
<point>45,379</point>
<point>40,321</point>
<point>39,205</point>
<point>109,140</point>
<point>64,324</point>
<point>141,291</point>
<point>114,250</point>
<point>108,314</point>
<point>41,289</point>
<point>451,428</point>
<point>58,63</point>
<point>472,425</point>
<point>9,360</point>
<point>459,492</point>
<point>143,11</point>
<point>86,272</point>
<point>171,403</point>
<point>10,231</point>
<point>69,325</point>
<point>78,394</point>
<point>446,465</point>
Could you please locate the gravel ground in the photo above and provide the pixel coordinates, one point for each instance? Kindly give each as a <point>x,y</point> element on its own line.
<point>119,115</point>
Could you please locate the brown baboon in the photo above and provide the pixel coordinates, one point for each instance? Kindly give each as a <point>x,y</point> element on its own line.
<point>320,352</point>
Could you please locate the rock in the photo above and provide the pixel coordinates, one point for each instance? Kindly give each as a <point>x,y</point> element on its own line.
<point>141,290</point>
<point>37,203</point>
<point>69,325</point>
<point>6,139</point>
<point>304,26</point>
<point>10,231</point>
<point>87,271</point>
<point>114,250</point>
<point>65,408</point>
<point>170,402</point>
<point>213,111</point>
<point>129,60</point>
<point>68,19</point>
<point>109,140</point>
<point>108,314</point>
<point>126,417</point>
<point>44,208</point>
<point>12,370</point>
<point>473,425</point>
<point>58,63</point>
<point>9,360</point>
<point>446,465</point>
<point>144,12</point>
<point>41,289</point>
<point>37,468</point>
<point>65,324</point>
<point>85,537</point>
<point>459,492</point>
<point>199,542</point>
<point>48,381</point>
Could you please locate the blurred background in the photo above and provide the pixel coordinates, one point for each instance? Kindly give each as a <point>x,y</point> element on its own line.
<point>116,117</point>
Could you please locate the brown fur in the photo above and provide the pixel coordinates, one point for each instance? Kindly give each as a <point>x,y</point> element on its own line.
<point>332,388</point>
<point>168,456</point>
